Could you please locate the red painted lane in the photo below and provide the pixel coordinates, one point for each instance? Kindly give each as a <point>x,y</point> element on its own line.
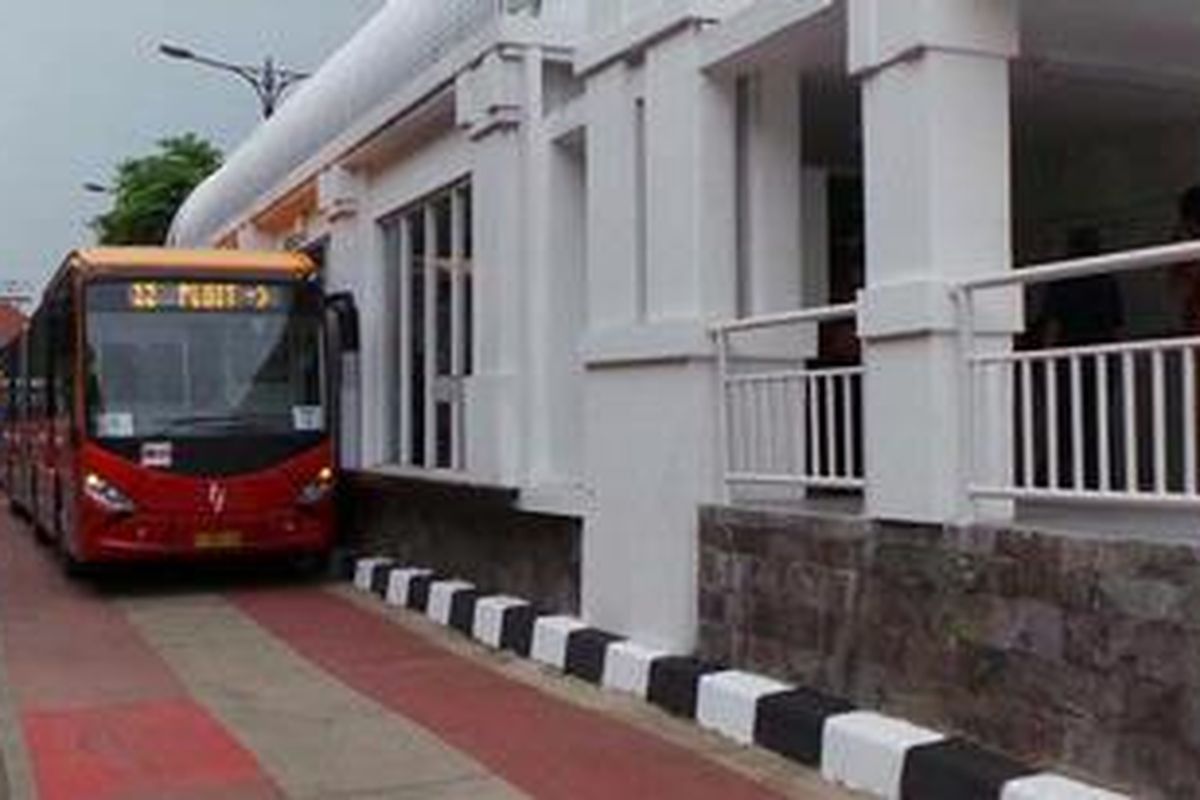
<point>103,716</point>
<point>546,747</point>
<point>147,750</point>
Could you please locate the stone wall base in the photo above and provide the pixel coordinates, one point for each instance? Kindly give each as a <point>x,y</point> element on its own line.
<point>1074,652</point>
<point>468,531</point>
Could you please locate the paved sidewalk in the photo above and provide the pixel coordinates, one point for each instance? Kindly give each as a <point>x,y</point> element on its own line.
<point>135,689</point>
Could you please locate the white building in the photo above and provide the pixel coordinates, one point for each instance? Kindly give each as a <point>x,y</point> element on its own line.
<point>601,182</point>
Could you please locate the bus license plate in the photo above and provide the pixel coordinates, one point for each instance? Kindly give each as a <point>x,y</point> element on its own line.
<point>219,540</point>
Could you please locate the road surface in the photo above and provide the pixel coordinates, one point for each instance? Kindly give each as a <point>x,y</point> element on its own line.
<point>166,683</point>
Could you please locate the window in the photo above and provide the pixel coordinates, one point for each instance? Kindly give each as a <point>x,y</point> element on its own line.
<point>428,257</point>
<point>172,372</point>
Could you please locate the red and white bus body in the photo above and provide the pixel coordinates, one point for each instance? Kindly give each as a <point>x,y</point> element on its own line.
<point>175,407</point>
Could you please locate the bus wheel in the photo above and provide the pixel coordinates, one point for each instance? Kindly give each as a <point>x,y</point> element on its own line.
<point>42,535</point>
<point>72,567</point>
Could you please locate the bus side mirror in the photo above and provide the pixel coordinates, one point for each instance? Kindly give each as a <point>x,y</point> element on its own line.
<point>345,312</point>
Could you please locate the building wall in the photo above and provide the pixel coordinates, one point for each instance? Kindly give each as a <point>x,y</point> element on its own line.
<point>466,531</point>
<point>1071,651</point>
<point>608,236</point>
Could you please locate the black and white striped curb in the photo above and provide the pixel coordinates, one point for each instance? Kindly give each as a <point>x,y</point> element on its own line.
<point>862,750</point>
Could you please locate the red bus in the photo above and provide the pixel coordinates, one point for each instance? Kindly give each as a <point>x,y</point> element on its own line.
<point>171,404</point>
<point>11,435</point>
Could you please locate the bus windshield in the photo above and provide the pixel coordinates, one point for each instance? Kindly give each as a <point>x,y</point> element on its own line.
<point>178,359</point>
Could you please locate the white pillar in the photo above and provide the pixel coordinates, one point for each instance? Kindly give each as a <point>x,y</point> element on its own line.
<point>650,398</point>
<point>935,80</point>
<point>772,235</point>
<point>355,263</point>
<point>500,106</point>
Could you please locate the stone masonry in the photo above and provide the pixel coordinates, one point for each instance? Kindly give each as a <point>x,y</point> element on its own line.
<point>1080,653</point>
<point>468,532</point>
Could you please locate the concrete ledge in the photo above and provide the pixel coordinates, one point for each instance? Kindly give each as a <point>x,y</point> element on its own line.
<point>443,485</point>
<point>866,751</point>
<point>728,702</point>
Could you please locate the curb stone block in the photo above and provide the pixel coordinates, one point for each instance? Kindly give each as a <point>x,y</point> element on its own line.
<point>550,636</point>
<point>793,723</point>
<point>674,683</point>
<point>441,595</point>
<point>462,611</point>
<point>627,667</point>
<point>379,577</point>
<point>1055,787</point>
<point>866,751</point>
<point>399,584</point>
<point>418,591</point>
<point>956,769</point>
<point>363,570</point>
<point>517,633</point>
<point>587,650</point>
<point>488,625</point>
<point>727,702</point>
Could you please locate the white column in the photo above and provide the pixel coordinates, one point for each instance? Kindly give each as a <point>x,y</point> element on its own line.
<point>492,100</point>
<point>355,263</point>
<point>935,81</point>
<point>772,235</point>
<point>650,416</point>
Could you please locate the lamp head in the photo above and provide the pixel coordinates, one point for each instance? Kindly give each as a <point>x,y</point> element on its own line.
<point>172,51</point>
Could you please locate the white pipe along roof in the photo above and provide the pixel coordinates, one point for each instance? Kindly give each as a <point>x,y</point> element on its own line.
<point>402,40</point>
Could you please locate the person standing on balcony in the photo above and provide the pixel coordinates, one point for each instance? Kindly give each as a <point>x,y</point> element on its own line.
<point>1077,313</point>
<point>1187,276</point>
<point>1083,311</point>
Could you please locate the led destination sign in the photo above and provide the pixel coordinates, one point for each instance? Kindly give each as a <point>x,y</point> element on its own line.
<point>206,296</point>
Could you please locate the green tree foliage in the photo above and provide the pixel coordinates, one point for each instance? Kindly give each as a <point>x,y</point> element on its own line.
<point>149,190</point>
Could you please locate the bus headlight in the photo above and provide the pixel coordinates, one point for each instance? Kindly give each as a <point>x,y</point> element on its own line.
<point>107,496</point>
<point>317,489</point>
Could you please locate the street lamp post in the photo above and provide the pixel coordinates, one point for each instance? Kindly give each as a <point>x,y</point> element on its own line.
<point>269,81</point>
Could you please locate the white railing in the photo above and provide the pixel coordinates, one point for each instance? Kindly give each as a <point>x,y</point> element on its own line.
<point>1103,423</point>
<point>781,422</point>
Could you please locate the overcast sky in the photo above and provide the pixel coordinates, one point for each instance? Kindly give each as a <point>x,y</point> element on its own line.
<point>81,88</point>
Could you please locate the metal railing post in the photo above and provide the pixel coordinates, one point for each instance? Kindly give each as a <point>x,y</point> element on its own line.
<point>723,426</point>
<point>963,301</point>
